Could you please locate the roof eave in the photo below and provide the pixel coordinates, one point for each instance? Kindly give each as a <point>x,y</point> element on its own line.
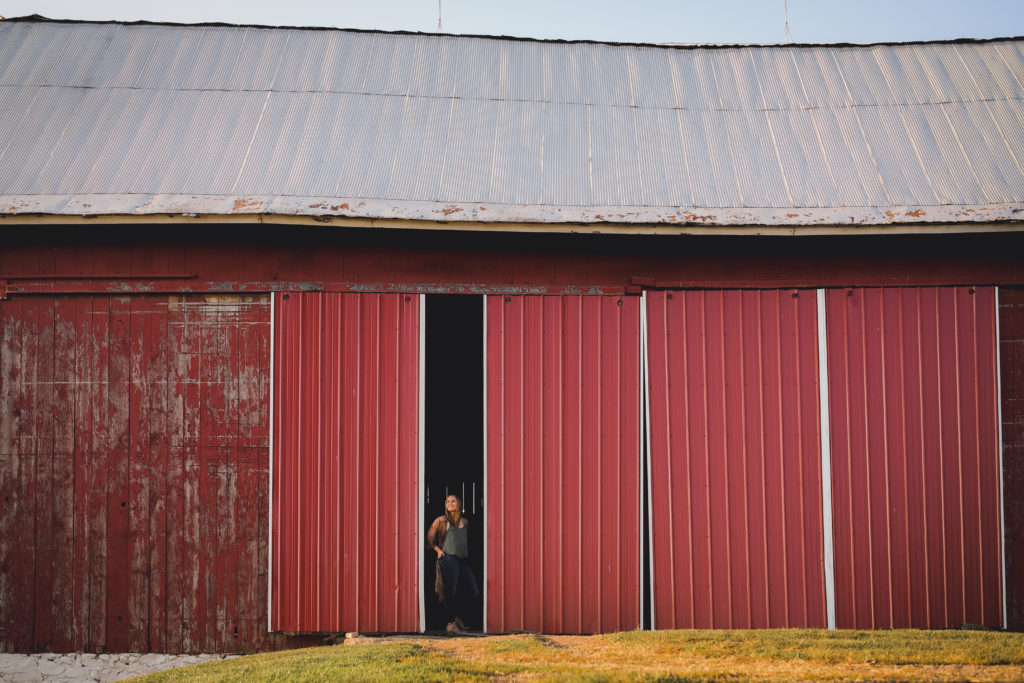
<point>361,212</point>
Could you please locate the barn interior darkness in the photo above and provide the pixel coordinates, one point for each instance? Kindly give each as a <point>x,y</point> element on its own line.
<point>454,444</point>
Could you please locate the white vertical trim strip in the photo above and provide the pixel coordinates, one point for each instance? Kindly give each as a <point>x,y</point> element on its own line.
<point>486,493</point>
<point>422,460</point>
<point>826,464</point>
<point>647,455</point>
<point>270,499</point>
<point>641,499</point>
<point>999,433</point>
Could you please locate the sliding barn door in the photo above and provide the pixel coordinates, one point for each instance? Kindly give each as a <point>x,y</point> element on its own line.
<point>346,529</point>
<point>915,457</point>
<point>563,463</point>
<point>735,454</point>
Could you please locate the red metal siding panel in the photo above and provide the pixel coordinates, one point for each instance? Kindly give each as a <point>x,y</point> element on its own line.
<point>1011,357</point>
<point>133,464</point>
<point>563,463</point>
<point>346,463</point>
<point>735,459</point>
<point>915,469</point>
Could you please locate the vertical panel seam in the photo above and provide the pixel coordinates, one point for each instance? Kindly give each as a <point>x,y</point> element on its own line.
<point>486,492</point>
<point>798,366</point>
<point>999,457</point>
<point>270,494</point>
<point>924,462</point>
<point>725,462</point>
<point>885,450</point>
<point>421,469</point>
<point>867,463</point>
<point>905,456</point>
<point>826,463</point>
<point>761,384</point>
<point>745,453</point>
<point>960,458</point>
<point>942,463</point>
<point>646,457</point>
<point>782,468</point>
<point>707,455</point>
<point>977,449</point>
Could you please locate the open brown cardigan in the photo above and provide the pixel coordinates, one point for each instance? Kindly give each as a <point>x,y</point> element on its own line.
<point>435,536</point>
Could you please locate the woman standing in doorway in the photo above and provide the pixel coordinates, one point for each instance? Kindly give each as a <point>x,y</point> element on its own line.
<point>449,538</point>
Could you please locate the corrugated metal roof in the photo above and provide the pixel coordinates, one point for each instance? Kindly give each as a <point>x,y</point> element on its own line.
<point>105,118</point>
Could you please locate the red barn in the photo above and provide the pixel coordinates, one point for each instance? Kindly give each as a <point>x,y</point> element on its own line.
<point>706,336</point>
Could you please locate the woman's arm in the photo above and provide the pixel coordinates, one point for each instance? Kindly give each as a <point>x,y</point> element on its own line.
<point>436,536</point>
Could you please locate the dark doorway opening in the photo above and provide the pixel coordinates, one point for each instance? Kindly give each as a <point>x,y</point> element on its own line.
<point>454,440</point>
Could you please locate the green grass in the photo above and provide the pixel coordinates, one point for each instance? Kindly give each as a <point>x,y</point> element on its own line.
<point>401,661</point>
<point>529,644</point>
<point>783,654</point>
<point>840,647</point>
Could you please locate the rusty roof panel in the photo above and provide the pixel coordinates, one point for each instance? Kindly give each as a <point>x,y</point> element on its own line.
<point>411,126</point>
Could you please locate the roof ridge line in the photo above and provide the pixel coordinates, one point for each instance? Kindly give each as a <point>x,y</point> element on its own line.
<point>37,18</point>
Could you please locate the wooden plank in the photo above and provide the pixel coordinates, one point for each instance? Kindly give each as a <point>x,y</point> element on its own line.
<point>63,500</point>
<point>139,473</point>
<point>192,557</point>
<point>214,475</point>
<point>158,369</point>
<point>118,458</point>
<point>82,473</point>
<point>11,333</point>
<point>251,452</point>
<point>1011,359</point>
<point>144,515</point>
<point>96,464</point>
<point>41,477</point>
<point>25,559</point>
<point>177,370</point>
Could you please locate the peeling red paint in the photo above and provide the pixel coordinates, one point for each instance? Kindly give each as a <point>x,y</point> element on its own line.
<point>691,217</point>
<point>890,214</point>
<point>916,212</point>
<point>448,211</point>
<point>792,215</point>
<point>141,544</point>
<point>242,204</point>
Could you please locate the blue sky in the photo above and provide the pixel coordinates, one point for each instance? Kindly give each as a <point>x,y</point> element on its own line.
<point>679,21</point>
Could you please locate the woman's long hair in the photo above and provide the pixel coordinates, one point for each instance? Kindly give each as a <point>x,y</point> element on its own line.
<point>458,511</point>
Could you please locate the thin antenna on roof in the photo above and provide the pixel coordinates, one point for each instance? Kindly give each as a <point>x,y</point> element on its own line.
<point>785,8</point>
<point>439,16</point>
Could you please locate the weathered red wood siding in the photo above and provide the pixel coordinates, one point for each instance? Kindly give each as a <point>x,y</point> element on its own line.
<point>346,500</point>
<point>271,258</point>
<point>563,463</point>
<point>1011,356</point>
<point>915,462</point>
<point>133,473</point>
<point>736,511</point>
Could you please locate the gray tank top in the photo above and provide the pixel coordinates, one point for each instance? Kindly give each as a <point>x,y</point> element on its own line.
<point>456,541</point>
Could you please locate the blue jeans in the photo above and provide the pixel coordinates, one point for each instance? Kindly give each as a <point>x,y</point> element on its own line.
<point>456,572</point>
